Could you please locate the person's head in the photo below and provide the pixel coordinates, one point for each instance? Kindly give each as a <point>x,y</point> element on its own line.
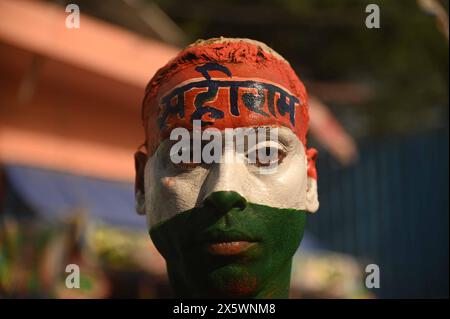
<point>226,179</point>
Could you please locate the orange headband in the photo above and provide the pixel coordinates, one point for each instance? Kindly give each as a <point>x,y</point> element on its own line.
<point>224,83</point>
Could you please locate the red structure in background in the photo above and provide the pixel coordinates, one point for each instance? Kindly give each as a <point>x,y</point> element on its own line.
<point>70,98</point>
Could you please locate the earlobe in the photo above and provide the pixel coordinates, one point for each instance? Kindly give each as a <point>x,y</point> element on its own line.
<point>140,202</point>
<point>140,159</point>
<point>312,197</point>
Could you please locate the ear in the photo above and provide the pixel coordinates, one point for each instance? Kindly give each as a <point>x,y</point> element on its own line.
<point>140,160</point>
<point>312,197</point>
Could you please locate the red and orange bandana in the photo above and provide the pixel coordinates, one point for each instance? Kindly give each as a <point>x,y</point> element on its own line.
<point>225,83</point>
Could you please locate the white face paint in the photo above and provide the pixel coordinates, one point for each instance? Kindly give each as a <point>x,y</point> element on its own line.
<point>171,189</point>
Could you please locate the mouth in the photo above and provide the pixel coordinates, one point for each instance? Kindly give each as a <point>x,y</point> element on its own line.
<point>229,248</point>
<point>226,243</point>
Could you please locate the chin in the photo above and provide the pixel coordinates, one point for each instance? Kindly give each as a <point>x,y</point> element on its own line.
<point>233,281</point>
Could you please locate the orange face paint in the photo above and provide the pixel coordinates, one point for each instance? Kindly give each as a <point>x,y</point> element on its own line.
<point>225,83</point>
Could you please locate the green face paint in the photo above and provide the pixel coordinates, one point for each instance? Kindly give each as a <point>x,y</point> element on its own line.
<point>230,248</point>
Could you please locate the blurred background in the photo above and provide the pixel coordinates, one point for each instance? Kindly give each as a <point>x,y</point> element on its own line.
<point>70,123</point>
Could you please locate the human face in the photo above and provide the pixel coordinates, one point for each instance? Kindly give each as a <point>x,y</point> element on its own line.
<point>226,228</point>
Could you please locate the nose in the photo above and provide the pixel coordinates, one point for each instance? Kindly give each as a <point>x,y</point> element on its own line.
<point>224,201</point>
<point>225,184</point>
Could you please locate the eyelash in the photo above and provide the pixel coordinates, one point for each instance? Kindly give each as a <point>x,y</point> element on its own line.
<point>281,155</point>
<point>188,166</point>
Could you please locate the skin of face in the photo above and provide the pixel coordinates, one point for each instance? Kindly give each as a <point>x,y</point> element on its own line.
<point>227,229</point>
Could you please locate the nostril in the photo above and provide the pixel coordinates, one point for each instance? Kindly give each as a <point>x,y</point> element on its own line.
<point>225,201</point>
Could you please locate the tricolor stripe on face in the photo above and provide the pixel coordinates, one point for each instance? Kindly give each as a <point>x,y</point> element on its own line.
<point>172,189</point>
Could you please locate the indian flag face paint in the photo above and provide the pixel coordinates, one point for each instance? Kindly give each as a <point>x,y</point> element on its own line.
<point>176,188</point>
<point>228,228</point>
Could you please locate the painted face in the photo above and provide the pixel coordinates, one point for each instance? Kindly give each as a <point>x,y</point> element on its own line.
<point>176,188</point>
<point>228,228</point>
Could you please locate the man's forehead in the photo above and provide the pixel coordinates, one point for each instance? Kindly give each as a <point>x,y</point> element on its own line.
<point>227,85</point>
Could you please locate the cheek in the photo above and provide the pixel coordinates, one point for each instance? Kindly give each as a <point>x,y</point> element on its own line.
<point>172,189</point>
<point>175,194</point>
<point>159,194</point>
<point>168,182</point>
<point>165,190</point>
<point>294,176</point>
<point>286,188</point>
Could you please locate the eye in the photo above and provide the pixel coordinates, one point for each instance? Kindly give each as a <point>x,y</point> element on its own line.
<point>266,156</point>
<point>187,165</point>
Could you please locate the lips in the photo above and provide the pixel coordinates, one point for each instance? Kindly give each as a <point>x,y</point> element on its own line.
<point>226,243</point>
<point>229,248</point>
